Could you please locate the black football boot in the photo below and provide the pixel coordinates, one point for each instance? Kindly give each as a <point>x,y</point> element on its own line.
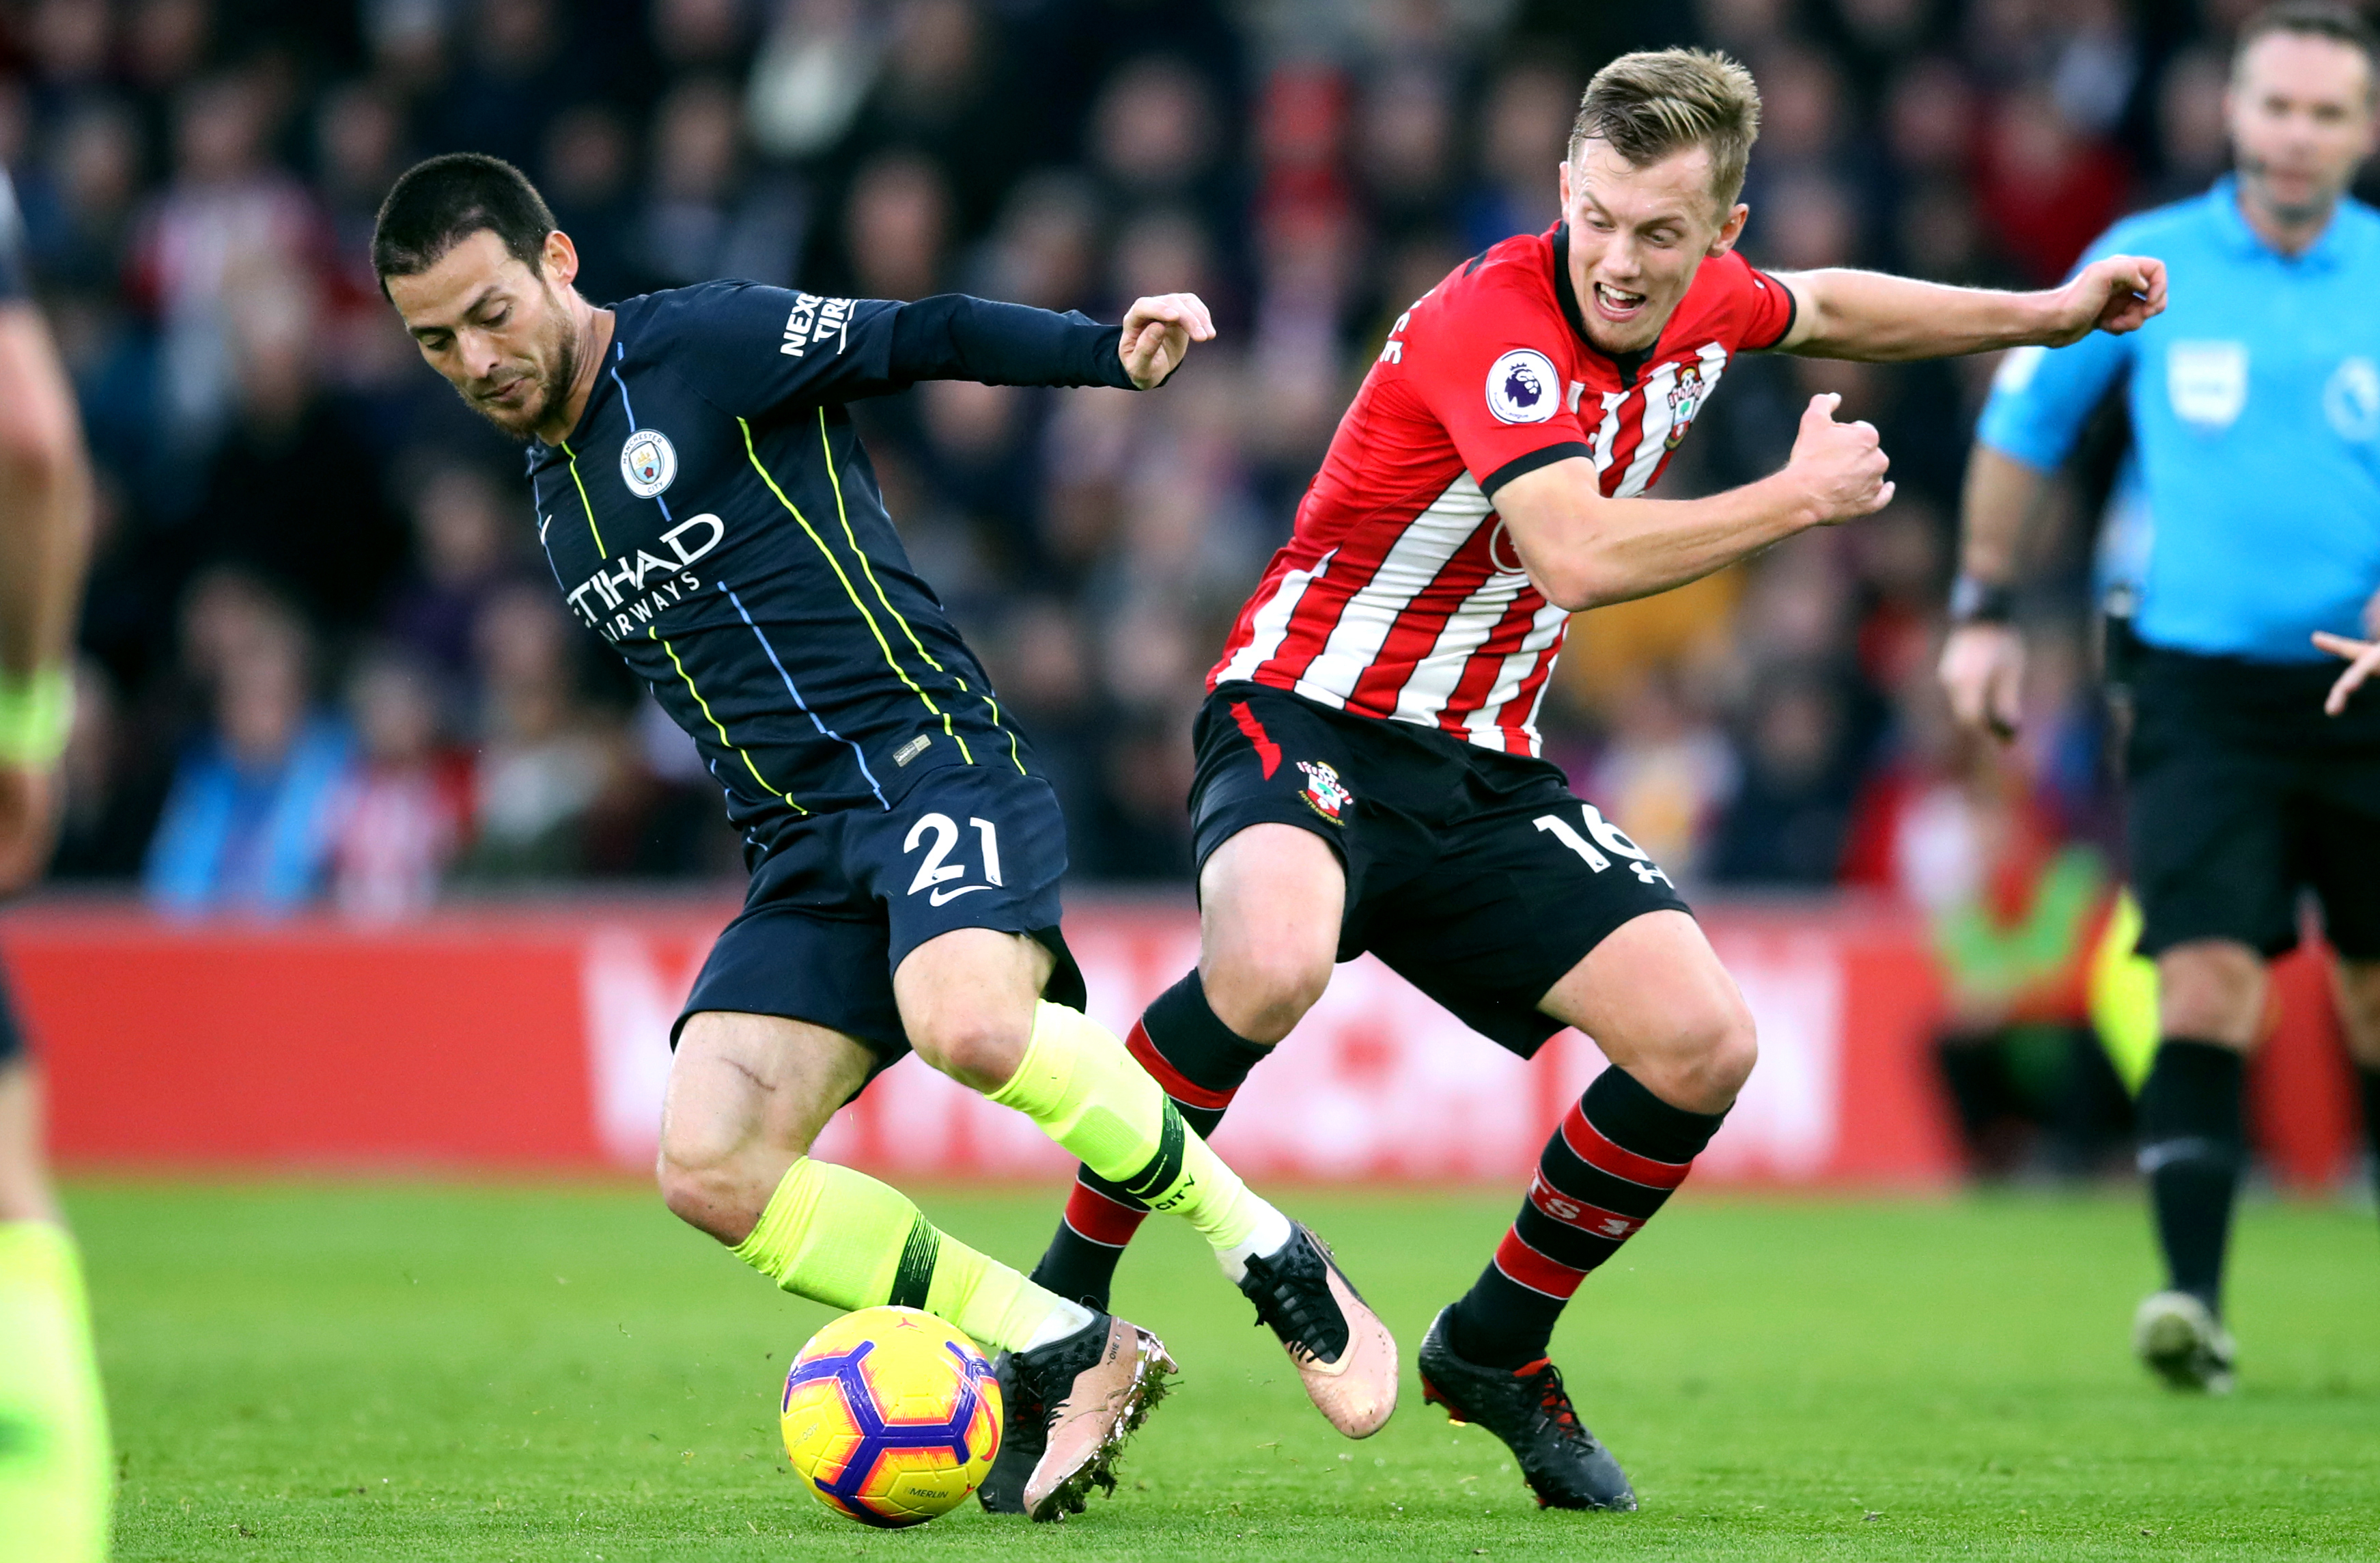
<point>1022,1436</point>
<point>1562,1462</point>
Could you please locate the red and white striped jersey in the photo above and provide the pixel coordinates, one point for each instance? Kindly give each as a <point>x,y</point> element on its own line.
<point>1399,594</point>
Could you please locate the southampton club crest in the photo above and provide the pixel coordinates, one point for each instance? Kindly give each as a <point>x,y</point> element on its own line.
<point>1686,395</point>
<point>648,463</point>
<point>1324,793</point>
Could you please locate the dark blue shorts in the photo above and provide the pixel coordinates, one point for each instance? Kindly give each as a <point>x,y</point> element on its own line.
<point>842,898</point>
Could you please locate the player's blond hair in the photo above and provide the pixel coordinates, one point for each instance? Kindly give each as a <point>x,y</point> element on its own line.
<point>1649,104</point>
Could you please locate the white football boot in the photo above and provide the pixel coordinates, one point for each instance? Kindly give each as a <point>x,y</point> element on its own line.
<point>2183,1342</point>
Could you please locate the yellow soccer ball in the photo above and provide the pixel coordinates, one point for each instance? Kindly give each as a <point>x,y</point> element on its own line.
<point>891,1416</point>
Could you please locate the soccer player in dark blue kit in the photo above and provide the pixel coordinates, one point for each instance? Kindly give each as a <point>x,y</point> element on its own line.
<point>708,510</point>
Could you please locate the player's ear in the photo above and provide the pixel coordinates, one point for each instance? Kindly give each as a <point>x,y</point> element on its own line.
<point>1730,230</point>
<point>561,258</point>
<point>1565,187</point>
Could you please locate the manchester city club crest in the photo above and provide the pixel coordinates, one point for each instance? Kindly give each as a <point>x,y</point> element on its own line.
<point>648,463</point>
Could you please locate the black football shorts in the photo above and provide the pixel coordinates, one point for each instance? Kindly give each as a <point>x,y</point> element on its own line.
<point>842,899</point>
<point>2240,794</point>
<point>1478,877</point>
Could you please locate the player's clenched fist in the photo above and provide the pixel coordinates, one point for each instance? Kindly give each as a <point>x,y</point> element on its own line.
<point>2115,295</point>
<point>1158,332</point>
<point>1841,465</point>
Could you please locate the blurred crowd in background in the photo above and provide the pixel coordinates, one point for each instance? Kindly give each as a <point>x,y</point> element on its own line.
<point>325,662</point>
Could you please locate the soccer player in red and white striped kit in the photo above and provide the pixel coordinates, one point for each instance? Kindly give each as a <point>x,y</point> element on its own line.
<point>1368,773</point>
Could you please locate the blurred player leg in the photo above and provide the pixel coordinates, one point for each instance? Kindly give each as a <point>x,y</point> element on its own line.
<point>53,1460</point>
<point>2193,1143</point>
<point>2358,1007</point>
<point>1269,905</point>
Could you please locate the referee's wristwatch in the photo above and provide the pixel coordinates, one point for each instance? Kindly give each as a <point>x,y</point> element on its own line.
<point>1974,601</point>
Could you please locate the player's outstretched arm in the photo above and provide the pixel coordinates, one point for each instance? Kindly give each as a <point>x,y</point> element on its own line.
<point>44,536</point>
<point>1883,319</point>
<point>953,336</point>
<point>1583,549</point>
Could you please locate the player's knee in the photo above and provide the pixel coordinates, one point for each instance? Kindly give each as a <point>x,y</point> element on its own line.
<point>980,1050</point>
<point>1263,991</point>
<point>2211,989</point>
<point>710,1178</point>
<point>1732,1050</point>
<point>704,1194</point>
<point>1711,1054</point>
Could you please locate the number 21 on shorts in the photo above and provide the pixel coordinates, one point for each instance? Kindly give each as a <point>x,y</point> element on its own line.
<point>1609,836</point>
<point>934,872</point>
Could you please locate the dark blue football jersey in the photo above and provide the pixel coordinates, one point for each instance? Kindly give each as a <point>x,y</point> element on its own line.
<point>713,518</point>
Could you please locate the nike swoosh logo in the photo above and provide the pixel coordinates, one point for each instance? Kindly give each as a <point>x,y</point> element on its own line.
<point>938,896</point>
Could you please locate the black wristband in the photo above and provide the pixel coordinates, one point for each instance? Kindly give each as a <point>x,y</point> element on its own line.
<point>1981,602</point>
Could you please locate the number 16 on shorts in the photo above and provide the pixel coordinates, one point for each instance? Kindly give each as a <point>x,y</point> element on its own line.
<point>1608,836</point>
<point>935,871</point>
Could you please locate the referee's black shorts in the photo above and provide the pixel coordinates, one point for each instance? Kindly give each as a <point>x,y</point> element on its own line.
<point>1478,877</point>
<point>2241,794</point>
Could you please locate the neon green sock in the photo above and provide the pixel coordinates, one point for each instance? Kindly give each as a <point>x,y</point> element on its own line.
<point>53,1460</point>
<point>1089,1094</point>
<point>841,1237</point>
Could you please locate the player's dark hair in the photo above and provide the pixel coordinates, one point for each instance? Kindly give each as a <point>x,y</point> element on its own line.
<point>2334,19</point>
<point>1652,104</point>
<point>437,204</point>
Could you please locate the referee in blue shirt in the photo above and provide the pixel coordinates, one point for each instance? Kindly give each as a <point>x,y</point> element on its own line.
<point>2247,522</point>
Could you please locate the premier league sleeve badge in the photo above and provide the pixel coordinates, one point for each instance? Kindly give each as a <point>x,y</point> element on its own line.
<point>1522,387</point>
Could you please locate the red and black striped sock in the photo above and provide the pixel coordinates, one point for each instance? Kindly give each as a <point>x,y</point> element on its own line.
<point>1618,1153</point>
<point>1201,1063</point>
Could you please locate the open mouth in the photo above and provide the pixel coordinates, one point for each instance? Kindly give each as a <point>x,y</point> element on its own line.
<point>1615,303</point>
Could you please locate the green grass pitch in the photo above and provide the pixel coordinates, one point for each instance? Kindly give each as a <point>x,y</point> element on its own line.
<point>378,1371</point>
